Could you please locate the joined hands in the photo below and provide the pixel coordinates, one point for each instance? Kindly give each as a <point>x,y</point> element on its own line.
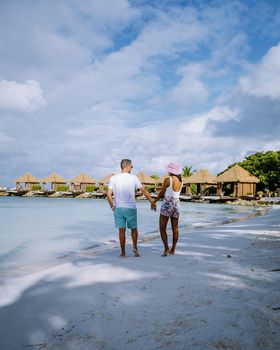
<point>154,205</point>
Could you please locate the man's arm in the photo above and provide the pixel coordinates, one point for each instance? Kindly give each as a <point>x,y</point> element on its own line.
<point>146,194</point>
<point>149,197</point>
<point>110,198</point>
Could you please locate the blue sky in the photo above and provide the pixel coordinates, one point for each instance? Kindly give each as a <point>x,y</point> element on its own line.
<point>85,83</point>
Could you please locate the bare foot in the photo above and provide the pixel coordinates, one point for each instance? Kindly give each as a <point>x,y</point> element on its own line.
<point>135,251</point>
<point>122,255</point>
<point>165,252</point>
<point>172,251</point>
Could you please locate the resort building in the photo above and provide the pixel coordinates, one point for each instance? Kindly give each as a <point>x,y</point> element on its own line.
<point>29,180</point>
<point>236,182</point>
<point>105,182</point>
<point>55,180</point>
<point>146,180</point>
<point>204,181</point>
<point>106,179</point>
<point>81,182</point>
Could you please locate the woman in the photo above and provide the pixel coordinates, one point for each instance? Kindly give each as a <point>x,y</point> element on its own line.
<point>170,193</point>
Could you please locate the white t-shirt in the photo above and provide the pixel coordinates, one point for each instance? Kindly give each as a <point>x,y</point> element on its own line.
<point>123,186</point>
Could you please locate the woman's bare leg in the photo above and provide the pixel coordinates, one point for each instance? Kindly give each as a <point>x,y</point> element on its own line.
<point>174,225</point>
<point>163,220</point>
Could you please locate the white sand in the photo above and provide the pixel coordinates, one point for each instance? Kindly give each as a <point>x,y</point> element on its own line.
<point>217,292</point>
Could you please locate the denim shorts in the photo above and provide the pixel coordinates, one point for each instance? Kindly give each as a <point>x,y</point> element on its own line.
<point>125,217</point>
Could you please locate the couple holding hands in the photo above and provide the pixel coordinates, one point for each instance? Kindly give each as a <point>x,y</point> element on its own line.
<point>123,187</point>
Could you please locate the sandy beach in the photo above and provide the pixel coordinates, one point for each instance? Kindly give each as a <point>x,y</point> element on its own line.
<point>220,291</point>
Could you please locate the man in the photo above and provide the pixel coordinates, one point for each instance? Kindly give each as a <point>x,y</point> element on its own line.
<point>123,187</point>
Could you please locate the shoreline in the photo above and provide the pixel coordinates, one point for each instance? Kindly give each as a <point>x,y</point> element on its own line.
<point>220,291</point>
<point>104,247</point>
<point>264,201</point>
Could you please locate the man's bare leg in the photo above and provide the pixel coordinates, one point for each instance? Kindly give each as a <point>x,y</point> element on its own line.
<point>134,236</point>
<point>122,241</point>
<point>163,220</point>
<point>174,224</point>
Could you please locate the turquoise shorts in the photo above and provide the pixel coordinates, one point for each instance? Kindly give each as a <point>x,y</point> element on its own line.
<point>125,216</point>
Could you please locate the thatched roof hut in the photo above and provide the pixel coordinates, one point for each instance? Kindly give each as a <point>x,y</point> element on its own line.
<point>244,183</point>
<point>55,180</point>
<point>80,182</point>
<point>105,180</point>
<point>237,174</point>
<point>202,176</point>
<point>29,180</point>
<point>145,179</point>
<point>203,179</point>
<point>83,178</point>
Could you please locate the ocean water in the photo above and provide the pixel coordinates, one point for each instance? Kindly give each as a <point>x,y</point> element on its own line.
<point>39,230</point>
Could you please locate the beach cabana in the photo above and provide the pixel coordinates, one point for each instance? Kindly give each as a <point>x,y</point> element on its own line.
<point>80,182</point>
<point>55,180</point>
<point>203,179</point>
<point>241,182</point>
<point>29,180</point>
<point>105,180</point>
<point>146,180</point>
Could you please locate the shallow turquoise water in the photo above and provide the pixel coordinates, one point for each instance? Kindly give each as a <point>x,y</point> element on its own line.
<point>33,230</point>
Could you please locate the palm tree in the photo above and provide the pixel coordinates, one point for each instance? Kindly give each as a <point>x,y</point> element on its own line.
<point>187,171</point>
<point>156,178</point>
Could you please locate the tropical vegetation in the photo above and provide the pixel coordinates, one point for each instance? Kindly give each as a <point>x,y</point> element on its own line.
<point>265,166</point>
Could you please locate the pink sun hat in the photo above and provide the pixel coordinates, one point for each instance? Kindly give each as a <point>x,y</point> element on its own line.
<point>173,168</point>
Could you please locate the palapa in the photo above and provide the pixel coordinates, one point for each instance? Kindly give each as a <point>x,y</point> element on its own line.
<point>237,174</point>
<point>145,179</point>
<point>106,179</point>
<point>54,178</point>
<point>83,179</point>
<point>202,176</point>
<point>242,182</point>
<point>28,178</point>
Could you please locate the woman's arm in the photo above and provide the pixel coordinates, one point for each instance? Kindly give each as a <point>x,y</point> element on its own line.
<point>166,183</point>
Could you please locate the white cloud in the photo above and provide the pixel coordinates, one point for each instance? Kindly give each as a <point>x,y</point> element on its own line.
<point>171,33</point>
<point>110,73</point>
<point>187,141</point>
<point>263,79</point>
<point>190,90</point>
<point>190,142</point>
<point>23,97</point>
<point>107,13</point>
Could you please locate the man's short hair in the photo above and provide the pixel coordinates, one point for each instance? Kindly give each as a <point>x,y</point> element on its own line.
<point>125,163</point>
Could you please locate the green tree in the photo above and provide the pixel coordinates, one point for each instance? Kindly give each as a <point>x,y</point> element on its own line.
<point>265,166</point>
<point>156,178</point>
<point>91,188</point>
<point>187,171</point>
<point>61,188</point>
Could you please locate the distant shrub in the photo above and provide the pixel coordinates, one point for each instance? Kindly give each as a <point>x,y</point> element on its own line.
<point>193,189</point>
<point>150,188</point>
<point>62,188</point>
<point>36,187</point>
<point>91,188</point>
